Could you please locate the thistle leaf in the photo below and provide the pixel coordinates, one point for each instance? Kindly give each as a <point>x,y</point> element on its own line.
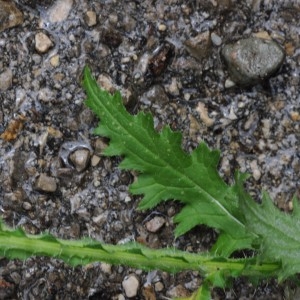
<point>278,232</point>
<point>166,171</point>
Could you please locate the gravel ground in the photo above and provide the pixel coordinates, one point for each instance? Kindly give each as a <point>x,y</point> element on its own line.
<point>164,56</point>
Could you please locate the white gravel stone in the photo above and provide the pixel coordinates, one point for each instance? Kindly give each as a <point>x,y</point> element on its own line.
<point>130,285</point>
<point>42,42</point>
<point>54,61</point>
<point>216,40</point>
<point>60,10</point>
<point>155,224</point>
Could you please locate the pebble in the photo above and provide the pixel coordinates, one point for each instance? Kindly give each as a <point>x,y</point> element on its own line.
<point>45,183</point>
<point>54,61</point>
<point>106,268</point>
<point>10,15</point>
<point>80,159</point>
<point>155,224</point>
<point>252,60</point>
<point>95,160</point>
<point>60,10</point>
<point>6,80</point>
<point>173,87</point>
<point>90,18</point>
<point>199,46</point>
<point>158,286</point>
<point>162,27</point>
<point>42,42</point>
<point>178,291</point>
<point>130,285</point>
<point>216,40</point>
<point>26,205</point>
<point>255,170</point>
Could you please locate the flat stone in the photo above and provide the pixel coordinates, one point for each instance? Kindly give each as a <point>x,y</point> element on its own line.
<point>45,183</point>
<point>42,42</point>
<point>10,15</point>
<point>155,224</point>
<point>130,285</point>
<point>252,60</point>
<point>6,80</point>
<point>80,159</point>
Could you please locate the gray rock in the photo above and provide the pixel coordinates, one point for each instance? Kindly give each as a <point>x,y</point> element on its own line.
<point>10,16</point>
<point>45,183</point>
<point>252,60</point>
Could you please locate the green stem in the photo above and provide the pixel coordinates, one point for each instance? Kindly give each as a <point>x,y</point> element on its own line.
<point>16,244</point>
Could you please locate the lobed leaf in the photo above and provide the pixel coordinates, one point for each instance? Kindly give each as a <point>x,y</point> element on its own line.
<point>167,172</point>
<point>278,232</point>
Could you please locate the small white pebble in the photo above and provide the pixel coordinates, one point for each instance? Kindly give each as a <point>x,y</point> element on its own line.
<point>255,170</point>
<point>130,285</point>
<point>162,27</point>
<point>216,40</point>
<point>42,42</point>
<point>54,61</point>
<point>229,83</point>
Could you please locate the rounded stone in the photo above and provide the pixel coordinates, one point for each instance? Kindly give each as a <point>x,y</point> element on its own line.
<point>252,60</point>
<point>130,285</point>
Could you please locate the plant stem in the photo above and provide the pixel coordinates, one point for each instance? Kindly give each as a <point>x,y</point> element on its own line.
<point>16,244</point>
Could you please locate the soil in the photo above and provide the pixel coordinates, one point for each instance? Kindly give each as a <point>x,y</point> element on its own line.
<point>53,175</point>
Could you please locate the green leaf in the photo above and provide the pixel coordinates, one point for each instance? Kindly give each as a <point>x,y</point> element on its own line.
<point>279,238</point>
<point>167,172</point>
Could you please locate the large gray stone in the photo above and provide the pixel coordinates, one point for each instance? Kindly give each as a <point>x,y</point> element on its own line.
<point>252,60</point>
